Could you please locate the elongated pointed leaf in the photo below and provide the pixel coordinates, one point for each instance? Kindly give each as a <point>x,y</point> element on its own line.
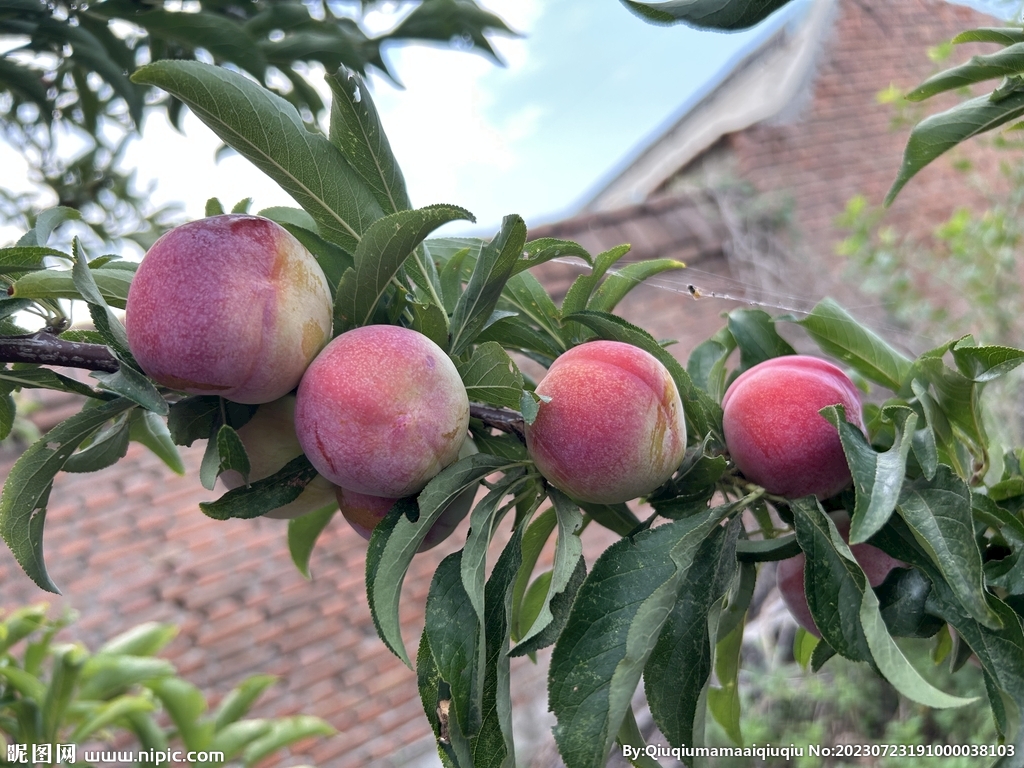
<point>877,477</point>
<point>151,431</point>
<point>357,131</point>
<point>396,539</point>
<point>1004,63</point>
<point>706,14</point>
<point>938,511</point>
<point>491,376</point>
<point>612,630</point>
<point>578,296</point>
<point>268,131</point>
<point>490,274</point>
<point>981,364</point>
<point>939,133</point>
<point>262,496</point>
<point>524,294</point>
<point>27,488</point>
<point>239,700</point>
<point>109,713</point>
<point>285,731</point>
<point>385,246</point>
<point>839,334</point>
<point>108,447</point>
<point>303,532</point>
<point>621,281</point>
<point>680,665</point>
<point>754,333</point>
<point>113,285</point>
<point>547,248</point>
<point>567,565</point>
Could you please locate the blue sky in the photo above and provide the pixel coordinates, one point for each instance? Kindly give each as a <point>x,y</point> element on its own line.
<point>583,87</point>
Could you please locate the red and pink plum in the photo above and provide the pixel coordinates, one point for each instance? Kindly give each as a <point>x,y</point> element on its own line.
<point>230,305</point>
<point>773,430</point>
<point>270,442</point>
<point>613,429</point>
<point>381,411</point>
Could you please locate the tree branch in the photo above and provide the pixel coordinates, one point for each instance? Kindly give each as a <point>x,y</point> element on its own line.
<point>44,348</point>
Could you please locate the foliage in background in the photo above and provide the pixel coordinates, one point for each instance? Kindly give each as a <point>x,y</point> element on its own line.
<point>68,105</point>
<point>124,697</point>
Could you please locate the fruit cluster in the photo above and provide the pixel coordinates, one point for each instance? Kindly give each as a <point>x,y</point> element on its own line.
<point>233,305</point>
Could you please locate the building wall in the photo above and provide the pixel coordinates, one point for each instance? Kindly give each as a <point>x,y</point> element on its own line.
<point>842,143</point>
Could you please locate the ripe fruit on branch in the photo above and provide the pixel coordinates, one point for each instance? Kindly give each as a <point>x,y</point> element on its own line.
<point>229,305</point>
<point>363,512</point>
<point>270,442</point>
<point>790,576</point>
<point>381,411</point>
<point>775,434</point>
<point>613,428</point>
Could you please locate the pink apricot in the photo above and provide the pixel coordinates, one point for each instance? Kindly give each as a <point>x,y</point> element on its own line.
<point>773,430</point>
<point>381,411</point>
<point>613,429</point>
<point>875,563</point>
<point>228,305</point>
<point>270,443</point>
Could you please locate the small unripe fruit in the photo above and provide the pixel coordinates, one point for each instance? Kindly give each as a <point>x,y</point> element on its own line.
<point>229,305</point>
<point>270,442</point>
<point>613,429</point>
<point>381,411</point>
<point>364,512</point>
<point>875,563</point>
<point>773,430</point>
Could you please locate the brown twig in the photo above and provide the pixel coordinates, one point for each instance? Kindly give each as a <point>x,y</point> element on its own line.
<point>43,348</point>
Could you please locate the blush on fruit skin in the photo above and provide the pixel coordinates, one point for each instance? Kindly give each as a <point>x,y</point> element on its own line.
<point>613,429</point>
<point>229,305</point>
<point>875,563</point>
<point>270,443</point>
<point>381,411</point>
<point>773,430</point>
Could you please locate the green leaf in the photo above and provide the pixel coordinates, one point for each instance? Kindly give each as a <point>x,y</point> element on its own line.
<point>47,222</point>
<point>26,258</point>
<point>938,512</point>
<point>578,296</point>
<point>67,666</point>
<point>110,713</point>
<point>706,364</point>
<point>724,701</point>
<point>303,532</point>
<point>106,449</point>
<point>534,540</point>
<point>269,132</point>
<point>545,249</point>
<point>27,488</point>
<point>185,705</point>
<point>397,538</point>
<point>982,364</point>
<point>133,385</point>
<point>194,418</point>
<point>235,737</point>
<point>877,477</point>
<point>703,415</point>
<point>484,520</point>
<point>231,451</point>
<point>493,745</point>
<point>454,632</point>
<point>706,14</point>
<point>1002,35</point>
<point>941,132</point>
<point>524,294</point>
<point>840,335</point>
<point>763,550</point>
<point>285,731</point>
<point>492,377</point>
<point>612,630</point>
<point>621,281</point>
<point>145,639</point>
<point>7,413</point>
<point>1004,63</point>
<point>239,700</point>
<point>679,669</point>
<point>214,207</point>
<point>357,131</point>
<point>106,675</point>
<point>151,431</point>
<point>846,610</point>
<point>566,575</point>
<point>514,333</point>
<point>755,334</point>
<point>262,496</point>
<point>113,285</point>
<point>490,274</point>
<point>384,248</point>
